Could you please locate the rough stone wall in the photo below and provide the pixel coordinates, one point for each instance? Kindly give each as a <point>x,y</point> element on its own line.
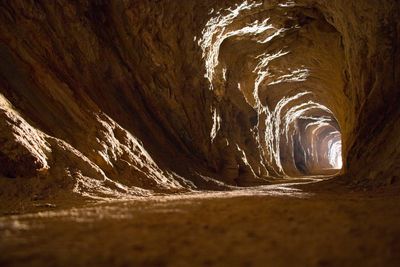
<point>370,33</point>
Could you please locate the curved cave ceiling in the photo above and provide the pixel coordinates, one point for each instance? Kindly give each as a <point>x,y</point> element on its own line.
<point>281,68</point>
<point>124,97</point>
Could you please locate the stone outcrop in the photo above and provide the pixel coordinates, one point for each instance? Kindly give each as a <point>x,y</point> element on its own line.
<point>119,98</point>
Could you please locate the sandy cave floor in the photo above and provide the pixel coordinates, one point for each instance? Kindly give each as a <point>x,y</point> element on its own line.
<point>274,225</point>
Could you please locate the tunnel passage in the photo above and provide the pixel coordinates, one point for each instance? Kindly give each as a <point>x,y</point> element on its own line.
<point>281,68</point>
<point>317,148</point>
<point>130,97</point>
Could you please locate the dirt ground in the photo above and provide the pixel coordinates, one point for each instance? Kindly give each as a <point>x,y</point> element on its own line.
<point>264,226</point>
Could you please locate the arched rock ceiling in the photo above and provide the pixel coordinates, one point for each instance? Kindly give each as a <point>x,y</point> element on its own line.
<point>276,63</point>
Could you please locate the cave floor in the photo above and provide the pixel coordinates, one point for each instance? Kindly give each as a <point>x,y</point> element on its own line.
<point>272,225</point>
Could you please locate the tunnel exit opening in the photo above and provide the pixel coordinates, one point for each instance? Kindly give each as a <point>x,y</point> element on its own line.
<point>317,146</point>
<point>335,155</point>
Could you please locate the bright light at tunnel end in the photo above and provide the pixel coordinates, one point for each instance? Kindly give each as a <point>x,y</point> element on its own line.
<point>335,155</point>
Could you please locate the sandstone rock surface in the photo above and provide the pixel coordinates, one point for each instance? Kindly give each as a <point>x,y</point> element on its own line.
<point>119,98</point>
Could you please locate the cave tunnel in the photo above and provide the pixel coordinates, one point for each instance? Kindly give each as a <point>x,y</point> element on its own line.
<point>294,86</point>
<point>199,133</point>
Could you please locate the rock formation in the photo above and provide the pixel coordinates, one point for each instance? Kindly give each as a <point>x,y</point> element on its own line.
<point>120,98</point>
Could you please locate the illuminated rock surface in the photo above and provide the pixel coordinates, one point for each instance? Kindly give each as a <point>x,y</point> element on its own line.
<point>105,100</point>
<point>98,94</point>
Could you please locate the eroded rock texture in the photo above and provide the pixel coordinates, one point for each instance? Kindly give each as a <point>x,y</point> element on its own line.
<point>111,98</point>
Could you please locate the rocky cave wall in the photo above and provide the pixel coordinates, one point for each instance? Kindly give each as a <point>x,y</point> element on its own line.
<point>110,98</point>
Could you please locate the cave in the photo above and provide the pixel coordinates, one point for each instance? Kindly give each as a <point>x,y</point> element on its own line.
<point>200,133</point>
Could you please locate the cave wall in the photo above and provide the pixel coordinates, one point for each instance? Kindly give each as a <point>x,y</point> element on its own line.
<point>99,95</point>
<point>370,40</point>
<point>99,76</point>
